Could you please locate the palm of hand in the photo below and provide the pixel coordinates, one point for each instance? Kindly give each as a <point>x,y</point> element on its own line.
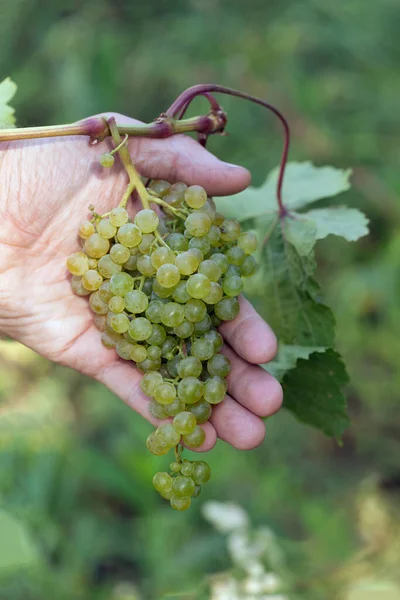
<point>50,185</point>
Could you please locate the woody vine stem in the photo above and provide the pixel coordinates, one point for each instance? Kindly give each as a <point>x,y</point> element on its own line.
<point>167,124</point>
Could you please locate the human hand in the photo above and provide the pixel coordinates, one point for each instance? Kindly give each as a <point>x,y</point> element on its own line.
<point>45,189</point>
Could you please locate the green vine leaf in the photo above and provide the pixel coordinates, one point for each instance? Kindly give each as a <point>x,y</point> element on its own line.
<point>17,549</point>
<point>313,392</point>
<point>349,223</point>
<point>7,92</point>
<point>287,358</point>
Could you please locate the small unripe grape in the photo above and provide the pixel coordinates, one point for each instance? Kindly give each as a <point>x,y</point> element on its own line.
<point>214,337</point>
<point>123,349</point>
<point>162,256</point>
<point>210,269</point>
<point>219,365</point>
<point>92,262</point>
<point>106,229</point>
<point>162,292</point>
<point>118,217</point>
<point>116,304</point>
<point>195,196</point>
<point>157,410</point>
<point>96,246</point>
<point>97,305</point>
<point>121,284</point>
<point>248,242</point>
<point>168,275</point>
<point>198,223</point>
<point>202,349</point>
<point>214,390</point>
<point>190,366</point>
<point>150,381</point>
<point>153,312</point>
<point>184,423</point>
<point>158,336</point>
<point>184,330</point>
<point>215,294</point>
<point>147,365</point>
<point>187,468</point>
<point>248,267</point>
<point>118,322</point>
<point>155,446</point>
<point>107,267</point>
<point>92,280</point>
<point>209,209</point>
<point>195,310</point>
<point>119,254</point>
<point>202,411</point>
<point>144,265</point>
<point>86,228</point>
<point>203,325</point>
<point>147,220</point>
<point>183,487</point>
<point>180,503</point>
<point>105,292</point>
<point>200,243</point>
<point>162,482</point>
<point>154,352</point>
<point>175,467</point>
<point>214,235</point>
<point>136,302</point>
<point>165,393</point>
<point>140,329</point>
<point>227,309</point>
<point>129,235</point>
<point>108,341</point>
<point>177,242</point>
<point>197,491</point>
<point>235,256</point>
<point>196,438</point>
<point>187,262</point>
<point>77,263</point>
<point>232,286</point>
<point>230,230</point>
<point>198,286</point>
<point>174,408</point>
<point>160,187</point>
<point>190,390</point>
<point>139,354</point>
<point>201,472</point>
<point>172,314</point>
<point>221,261</point>
<point>180,293</point>
<point>172,366</point>
<point>167,434</point>
<point>107,160</point>
<point>146,243</point>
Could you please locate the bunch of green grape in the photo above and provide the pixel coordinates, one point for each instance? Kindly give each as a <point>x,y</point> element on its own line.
<point>160,285</point>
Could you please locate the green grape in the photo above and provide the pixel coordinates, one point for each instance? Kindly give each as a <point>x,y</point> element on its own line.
<point>180,293</point>
<point>107,160</point>
<point>108,341</point>
<point>198,253</point>
<point>210,269</point>
<point>195,196</point>
<point>215,294</point>
<point>168,346</point>
<point>96,246</point>
<point>201,472</point>
<point>123,349</point>
<point>118,322</point>
<point>235,256</point>
<point>177,242</point>
<point>99,321</point>
<point>160,187</point>
<point>138,353</point>
<point>190,366</point>
<point>158,335</point>
<point>136,302</point>
<point>165,393</point>
<point>154,352</point>
<point>232,271</point>
<point>230,230</point>
<point>203,325</point>
<point>166,434</point>
<point>214,390</point>
<point>232,286</point>
<point>195,310</point>
<point>248,242</point>
<point>150,381</point>
<point>180,503</point>
<point>129,235</point>
<point>172,366</point>
<point>184,330</point>
<point>86,229</point>
<point>215,338</point>
<point>77,263</point>
<point>118,217</point>
<point>147,365</point>
<point>184,423</point>
<point>162,482</point>
<point>92,262</point>
<point>221,261</point>
<point>140,329</point>
<point>214,235</point>
<point>248,267</point>
<point>121,284</point>
<point>161,291</point>
<point>179,189</point>
<point>198,286</point>
<point>187,468</point>
<point>227,309</point>
<point>147,287</point>
<point>219,365</point>
<point>197,491</point>
<point>183,487</point>
<point>97,305</point>
<point>190,390</point>
<point>202,349</point>
<point>175,467</point>
<point>116,304</point>
<point>104,291</point>
<point>144,265</point>
<point>107,267</point>
<point>172,314</point>
<point>198,223</point>
<point>196,438</point>
<point>209,209</point>
<point>146,243</point>
<point>147,220</point>
<point>202,411</point>
<point>157,410</point>
<point>155,446</point>
<point>92,280</point>
<point>174,408</point>
<point>187,263</point>
<point>162,256</point>
<point>168,275</point>
<point>106,229</point>
<point>120,254</point>
<point>200,243</point>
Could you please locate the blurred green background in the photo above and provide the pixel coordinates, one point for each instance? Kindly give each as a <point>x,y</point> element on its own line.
<point>78,515</point>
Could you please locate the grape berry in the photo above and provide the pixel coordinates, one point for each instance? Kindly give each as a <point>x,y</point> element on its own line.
<point>159,288</point>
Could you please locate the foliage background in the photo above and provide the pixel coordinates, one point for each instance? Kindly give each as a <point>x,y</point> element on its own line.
<point>73,472</point>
